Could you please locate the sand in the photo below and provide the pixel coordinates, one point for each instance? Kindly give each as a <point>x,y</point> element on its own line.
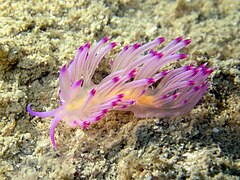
<point>38,38</point>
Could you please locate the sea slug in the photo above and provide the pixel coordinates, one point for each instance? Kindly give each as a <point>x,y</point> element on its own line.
<point>136,83</point>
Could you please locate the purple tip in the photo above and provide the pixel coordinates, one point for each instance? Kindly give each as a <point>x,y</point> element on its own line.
<point>105,39</point>
<point>114,103</point>
<point>92,92</point>
<point>196,88</point>
<point>203,65</point>
<point>98,118</point>
<point>143,91</point>
<point>187,41</point>
<point>80,48</point>
<point>164,73</point>
<point>78,83</point>
<point>187,68</point>
<point>132,102</point>
<point>160,40</point>
<point>118,100</point>
<point>120,96</point>
<point>113,44</point>
<point>150,80</point>
<point>182,56</point>
<point>185,101</point>
<point>104,111</point>
<point>136,46</point>
<point>179,39</point>
<point>132,73</point>
<point>85,124</point>
<point>160,55</point>
<point>191,82</point>
<point>204,84</point>
<point>164,96</point>
<point>64,68</point>
<point>175,95</point>
<point>115,79</point>
<point>111,62</point>
<point>125,47</point>
<point>154,53</point>
<point>124,106</point>
<point>87,46</point>
<point>204,71</point>
<point>195,71</point>
<point>210,70</point>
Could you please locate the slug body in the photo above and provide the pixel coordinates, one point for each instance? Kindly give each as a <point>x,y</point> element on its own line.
<point>131,85</point>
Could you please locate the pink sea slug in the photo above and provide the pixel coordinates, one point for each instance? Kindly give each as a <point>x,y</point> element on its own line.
<point>135,84</point>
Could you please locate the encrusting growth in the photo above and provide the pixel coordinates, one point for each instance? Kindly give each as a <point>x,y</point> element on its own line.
<point>135,84</point>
